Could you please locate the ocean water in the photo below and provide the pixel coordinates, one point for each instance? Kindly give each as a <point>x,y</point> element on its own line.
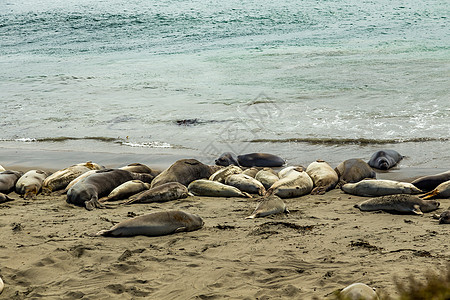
<point>332,79</point>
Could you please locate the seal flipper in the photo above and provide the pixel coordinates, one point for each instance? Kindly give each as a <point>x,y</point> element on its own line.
<point>417,210</point>
<point>429,195</point>
<point>93,203</point>
<point>180,229</point>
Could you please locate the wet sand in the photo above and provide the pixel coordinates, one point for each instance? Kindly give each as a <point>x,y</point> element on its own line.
<point>49,250</point>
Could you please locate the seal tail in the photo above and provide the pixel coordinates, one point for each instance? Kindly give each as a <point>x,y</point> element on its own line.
<point>251,216</point>
<point>429,195</point>
<point>247,195</point>
<point>103,233</point>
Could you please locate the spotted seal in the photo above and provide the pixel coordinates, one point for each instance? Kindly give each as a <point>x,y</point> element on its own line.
<point>156,224</point>
<point>323,175</point>
<point>358,291</point>
<point>162,193</point>
<point>269,206</point>
<point>203,187</point>
<point>30,183</point>
<point>353,170</point>
<point>8,180</point>
<point>430,182</point>
<point>183,171</point>
<point>373,188</point>
<point>399,203</point>
<point>384,159</point>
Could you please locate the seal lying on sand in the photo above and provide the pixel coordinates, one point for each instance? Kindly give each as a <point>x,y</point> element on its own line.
<point>374,188</point>
<point>441,191</point>
<point>86,192</point>
<point>183,171</point>
<point>358,291</point>
<point>250,160</point>
<point>269,206</point>
<point>126,190</point>
<point>140,168</point>
<point>156,224</point>
<point>30,184</point>
<point>4,198</point>
<point>323,176</point>
<point>444,218</point>
<point>384,159</point>
<point>267,177</point>
<point>354,170</point>
<point>295,183</point>
<point>222,174</point>
<point>60,179</point>
<point>251,171</point>
<point>209,188</point>
<point>162,193</point>
<point>400,203</point>
<point>246,183</point>
<point>8,180</point>
<point>430,182</point>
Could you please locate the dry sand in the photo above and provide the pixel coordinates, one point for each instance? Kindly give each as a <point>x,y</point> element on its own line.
<point>48,250</point>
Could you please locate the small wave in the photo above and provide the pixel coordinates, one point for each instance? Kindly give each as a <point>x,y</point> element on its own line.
<point>361,141</point>
<point>61,139</point>
<point>148,145</point>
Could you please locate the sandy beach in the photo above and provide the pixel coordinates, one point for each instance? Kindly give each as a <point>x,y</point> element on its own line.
<point>49,250</point>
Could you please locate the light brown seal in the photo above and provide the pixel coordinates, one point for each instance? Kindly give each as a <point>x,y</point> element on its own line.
<point>374,188</point>
<point>223,173</point>
<point>246,183</point>
<point>269,206</point>
<point>156,224</point>
<point>162,193</point>
<point>30,183</point>
<point>8,180</point>
<point>353,170</point>
<point>141,168</point>
<point>267,177</point>
<point>183,171</point>
<point>209,188</point>
<point>295,183</point>
<point>441,191</point>
<point>400,203</point>
<point>323,176</point>
<point>126,190</point>
<point>358,291</point>
<point>251,171</point>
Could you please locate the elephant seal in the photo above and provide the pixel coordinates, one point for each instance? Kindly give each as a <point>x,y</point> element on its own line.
<point>283,172</point>
<point>30,184</point>
<point>223,173</point>
<point>209,188</point>
<point>246,183</point>
<point>384,159</point>
<point>444,218</point>
<point>374,188</point>
<point>251,171</point>
<point>4,198</point>
<point>183,171</point>
<point>162,193</point>
<point>353,170</point>
<point>140,168</point>
<point>324,177</point>
<point>295,183</point>
<point>399,203</point>
<point>358,291</point>
<point>82,176</point>
<point>8,180</point>
<point>126,189</point>
<point>441,191</point>
<point>156,224</point>
<point>267,177</point>
<point>430,182</point>
<point>60,179</point>
<point>87,191</point>
<point>227,159</point>
<point>260,160</point>
<point>269,206</point>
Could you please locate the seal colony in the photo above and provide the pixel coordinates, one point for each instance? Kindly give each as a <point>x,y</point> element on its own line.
<point>285,185</point>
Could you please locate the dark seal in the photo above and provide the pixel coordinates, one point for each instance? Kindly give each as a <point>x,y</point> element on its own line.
<point>430,182</point>
<point>87,191</point>
<point>353,170</point>
<point>227,159</point>
<point>250,160</point>
<point>8,180</point>
<point>385,159</point>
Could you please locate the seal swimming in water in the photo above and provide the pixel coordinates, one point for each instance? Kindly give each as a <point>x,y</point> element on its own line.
<point>209,188</point>
<point>358,291</point>
<point>373,188</point>
<point>156,224</point>
<point>183,171</point>
<point>60,179</point>
<point>399,203</point>
<point>384,159</point>
<point>162,193</point>
<point>4,198</point>
<point>30,183</point>
<point>8,180</point>
<point>126,190</point>
<point>295,183</point>
<point>353,170</point>
<point>441,191</point>
<point>246,183</point>
<point>430,182</point>
<point>87,191</point>
<point>324,177</point>
<point>269,206</point>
